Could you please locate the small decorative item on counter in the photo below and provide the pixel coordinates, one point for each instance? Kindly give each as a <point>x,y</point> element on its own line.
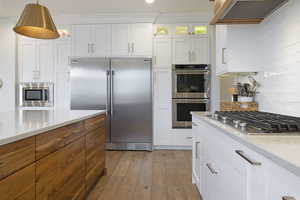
<point>234,94</point>
<point>247,91</point>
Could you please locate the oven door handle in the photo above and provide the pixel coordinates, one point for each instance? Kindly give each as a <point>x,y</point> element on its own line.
<point>206,72</point>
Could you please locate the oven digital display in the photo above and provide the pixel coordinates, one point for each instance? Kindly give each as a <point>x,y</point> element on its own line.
<point>34,95</point>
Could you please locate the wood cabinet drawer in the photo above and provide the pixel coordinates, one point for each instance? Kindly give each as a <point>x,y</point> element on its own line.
<point>95,122</point>
<point>95,156</point>
<point>53,140</point>
<point>60,175</point>
<point>15,156</point>
<point>19,186</point>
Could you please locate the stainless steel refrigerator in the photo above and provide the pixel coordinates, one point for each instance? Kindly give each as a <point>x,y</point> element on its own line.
<point>123,87</point>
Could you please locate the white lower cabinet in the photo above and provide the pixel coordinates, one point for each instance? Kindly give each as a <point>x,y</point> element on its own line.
<point>226,169</point>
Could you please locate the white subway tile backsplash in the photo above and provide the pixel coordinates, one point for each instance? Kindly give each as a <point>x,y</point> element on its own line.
<point>280,49</point>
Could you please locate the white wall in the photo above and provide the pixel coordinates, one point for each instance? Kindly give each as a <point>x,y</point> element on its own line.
<point>280,45</point>
<point>7,66</point>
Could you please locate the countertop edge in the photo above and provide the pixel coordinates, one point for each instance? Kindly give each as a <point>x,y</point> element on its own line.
<point>276,159</point>
<point>48,128</point>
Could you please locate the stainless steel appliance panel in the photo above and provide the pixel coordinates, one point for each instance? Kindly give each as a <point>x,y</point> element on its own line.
<point>190,81</point>
<point>131,101</point>
<point>182,109</point>
<point>36,94</point>
<point>89,83</point>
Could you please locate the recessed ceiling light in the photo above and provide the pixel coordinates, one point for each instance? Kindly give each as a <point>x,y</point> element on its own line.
<point>149,1</point>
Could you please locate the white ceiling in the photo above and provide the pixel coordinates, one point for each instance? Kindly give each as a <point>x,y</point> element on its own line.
<point>9,8</point>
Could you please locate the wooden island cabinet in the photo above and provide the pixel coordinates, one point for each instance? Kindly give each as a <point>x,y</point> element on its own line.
<point>61,164</point>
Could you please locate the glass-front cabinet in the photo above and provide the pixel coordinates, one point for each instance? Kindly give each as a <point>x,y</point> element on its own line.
<point>162,30</point>
<point>180,30</point>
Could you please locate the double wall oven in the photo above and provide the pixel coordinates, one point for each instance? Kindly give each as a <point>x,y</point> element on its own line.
<point>190,92</point>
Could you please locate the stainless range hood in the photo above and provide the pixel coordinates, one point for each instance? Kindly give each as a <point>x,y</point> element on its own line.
<point>245,11</point>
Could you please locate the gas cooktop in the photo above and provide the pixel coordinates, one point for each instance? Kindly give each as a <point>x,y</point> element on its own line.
<point>254,122</point>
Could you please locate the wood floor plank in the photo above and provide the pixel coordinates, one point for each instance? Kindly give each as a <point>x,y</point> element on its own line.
<point>157,175</point>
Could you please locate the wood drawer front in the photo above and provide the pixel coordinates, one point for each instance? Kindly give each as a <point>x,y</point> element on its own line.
<point>95,122</point>
<point>15,156</point>
<point>95,156</point>
<point>55,139</point>
<point>61,175</point>
<point>19,186</point>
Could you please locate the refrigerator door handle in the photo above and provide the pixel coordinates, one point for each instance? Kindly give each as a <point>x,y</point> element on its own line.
<point>112,93</point>
<point>107,90</point>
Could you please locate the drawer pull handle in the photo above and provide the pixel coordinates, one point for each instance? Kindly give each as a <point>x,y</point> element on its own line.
<point>194,124</point>
<point>189,138</point>
<point>288,198</point>
<point>249,160</point>
<point>211,169</point>
<point>197,143</point>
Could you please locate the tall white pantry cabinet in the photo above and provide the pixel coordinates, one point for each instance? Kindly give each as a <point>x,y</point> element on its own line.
<point>174,44</point>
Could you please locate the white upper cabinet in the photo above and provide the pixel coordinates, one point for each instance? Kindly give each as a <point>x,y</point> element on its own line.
<point>190,50</point>
<point>120,40</point>
<point>45,61</point>
<point>81,40</point>
<point>35,60</point>
<point>141,39</point>
<point>236,49</point>
<point>181,51</point>
<point>131,39</point>
<point>27,60</point>
<point>162,53</point>
<point>91,40</point>
<point>101,37</point>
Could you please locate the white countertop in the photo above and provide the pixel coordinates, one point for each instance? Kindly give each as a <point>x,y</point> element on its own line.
<point>282,149</point>
<point>21,124</point>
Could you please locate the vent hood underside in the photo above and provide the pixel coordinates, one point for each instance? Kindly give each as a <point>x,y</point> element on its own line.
<point>240,11</point>
<point>252,9</point>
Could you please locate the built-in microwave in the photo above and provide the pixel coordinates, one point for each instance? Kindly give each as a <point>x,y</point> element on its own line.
<point>36,94</point>
<point>190,81</point>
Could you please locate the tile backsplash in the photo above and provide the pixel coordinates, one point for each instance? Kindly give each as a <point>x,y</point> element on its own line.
<point>279,37</point>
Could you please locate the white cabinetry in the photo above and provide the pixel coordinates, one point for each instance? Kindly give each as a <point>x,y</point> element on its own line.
<point>62,52</point>
<point>162,53</point>
<point>35,60</point>
<point>91,40</point>
<point>132,39</point>
<point>237,49</point>
<point>230,170</point>
<point>190,50</point>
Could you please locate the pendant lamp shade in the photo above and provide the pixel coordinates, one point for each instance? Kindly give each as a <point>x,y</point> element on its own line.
<point>36,22</point>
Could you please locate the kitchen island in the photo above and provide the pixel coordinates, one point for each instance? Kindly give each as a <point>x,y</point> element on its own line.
<point>241,166</point>
<point>58,154</point>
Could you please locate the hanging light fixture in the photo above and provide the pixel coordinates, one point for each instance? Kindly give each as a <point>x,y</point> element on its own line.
<point>36,22</point>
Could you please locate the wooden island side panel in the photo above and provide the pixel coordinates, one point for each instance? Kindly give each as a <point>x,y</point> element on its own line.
<point>64,163</point>
<point>16,155</point>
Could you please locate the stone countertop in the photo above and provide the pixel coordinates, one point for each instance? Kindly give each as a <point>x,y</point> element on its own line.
<point>21,124</point>
<point>281,149</point>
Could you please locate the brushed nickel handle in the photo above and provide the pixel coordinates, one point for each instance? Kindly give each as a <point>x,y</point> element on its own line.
<point>246,157</point>
<point>128,47</point>
<point>194,124</point>
<point>211,169</point>
<point>189,138</point>
<point>154,60</point>
<point>223,56</point>
<point>190,56</point>
<point>132,47</point>
<point>197,143</point>
<point>288,198</point>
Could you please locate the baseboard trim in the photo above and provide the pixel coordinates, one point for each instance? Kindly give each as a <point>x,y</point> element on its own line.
<point>171,147</point>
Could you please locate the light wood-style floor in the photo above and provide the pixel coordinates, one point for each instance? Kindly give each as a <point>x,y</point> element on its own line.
<point>157,175</point>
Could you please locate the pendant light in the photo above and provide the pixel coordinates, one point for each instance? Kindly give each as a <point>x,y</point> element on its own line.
<point>36,22</point>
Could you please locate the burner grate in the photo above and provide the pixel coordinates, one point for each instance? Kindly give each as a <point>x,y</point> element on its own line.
<point>264,121</point>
